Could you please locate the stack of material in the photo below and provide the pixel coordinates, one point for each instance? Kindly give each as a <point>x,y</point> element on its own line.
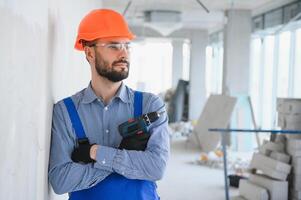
<point>271,169</point>
<point>289,117</point>
<point>294,149</point>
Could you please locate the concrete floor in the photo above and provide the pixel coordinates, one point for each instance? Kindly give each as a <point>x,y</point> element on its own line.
<point>186,181</point>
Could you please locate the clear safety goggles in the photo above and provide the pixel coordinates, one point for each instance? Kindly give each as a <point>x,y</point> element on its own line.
<point>115,46</point>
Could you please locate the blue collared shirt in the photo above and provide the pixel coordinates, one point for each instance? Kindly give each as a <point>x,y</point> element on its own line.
<point>100,123</point>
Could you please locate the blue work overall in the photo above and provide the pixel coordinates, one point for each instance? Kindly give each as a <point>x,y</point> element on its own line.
<point>114,186</point>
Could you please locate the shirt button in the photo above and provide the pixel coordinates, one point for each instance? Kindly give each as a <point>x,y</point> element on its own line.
<point>107,131</point>
<point>122,173</point>
<point>106,108</point>
<point>103,162</point>
<point>98,100</point>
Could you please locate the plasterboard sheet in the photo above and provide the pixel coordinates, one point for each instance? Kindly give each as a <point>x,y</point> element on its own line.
<point>259,161</point>
<point>293,152</point>
<point>278,190</point>
<point>268,146</point>
<point>282,157</point>
<point>297,182</point>
<point>294,144</point>
<point>296,194</point>
<point>251,191</point>
<point>289,106</point>
<point>216,114</point>
<point>238,198</point>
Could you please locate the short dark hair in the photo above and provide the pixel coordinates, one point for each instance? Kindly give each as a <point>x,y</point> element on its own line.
<point>88,43</point>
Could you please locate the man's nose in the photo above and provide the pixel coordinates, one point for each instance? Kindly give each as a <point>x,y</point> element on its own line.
<point>124,53</point>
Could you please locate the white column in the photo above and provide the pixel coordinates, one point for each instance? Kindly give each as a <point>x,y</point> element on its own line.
<point>177,61</point>
<point>197,93</point>
<point>237,35</point>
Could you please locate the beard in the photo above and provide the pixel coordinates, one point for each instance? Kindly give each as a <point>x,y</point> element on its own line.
<point>103,69</point>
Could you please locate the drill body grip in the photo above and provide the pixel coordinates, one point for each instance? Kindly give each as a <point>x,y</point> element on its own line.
<point>134,126</point>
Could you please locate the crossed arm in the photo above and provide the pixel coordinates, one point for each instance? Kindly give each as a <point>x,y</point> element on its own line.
<point>68,176</point>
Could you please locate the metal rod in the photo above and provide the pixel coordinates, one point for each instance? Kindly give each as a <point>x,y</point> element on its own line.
<point>256,130</point>
<point>225,165</point>
<point>205,8</point>
<point>127,7</point>
<point>254,121</point>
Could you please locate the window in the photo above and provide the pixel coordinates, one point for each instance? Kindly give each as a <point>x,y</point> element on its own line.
<point>209,52</point>
<point>297,67</point>
<point>151,65</point>
<point>214,68</point>
<point>283,65</point>
<point>255,80</point>
<point>186,60</point>
<point>275,72</point>
<point>267,82</point>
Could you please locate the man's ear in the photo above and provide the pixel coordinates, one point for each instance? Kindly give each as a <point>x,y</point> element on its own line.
<point>90,53</point>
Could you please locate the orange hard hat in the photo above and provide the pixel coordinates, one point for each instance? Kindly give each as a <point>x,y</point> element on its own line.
<point>102,23</point>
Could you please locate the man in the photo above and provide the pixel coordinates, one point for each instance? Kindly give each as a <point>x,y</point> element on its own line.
<point>102,164</point>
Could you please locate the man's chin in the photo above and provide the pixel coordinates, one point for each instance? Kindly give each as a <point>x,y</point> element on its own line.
<point>116,79</point>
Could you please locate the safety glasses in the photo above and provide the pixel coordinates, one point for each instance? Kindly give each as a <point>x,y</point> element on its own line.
<point>115,46</point>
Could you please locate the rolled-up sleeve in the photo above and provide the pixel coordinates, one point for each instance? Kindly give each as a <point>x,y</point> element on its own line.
<point>65,175</point>
<point>144,165</point>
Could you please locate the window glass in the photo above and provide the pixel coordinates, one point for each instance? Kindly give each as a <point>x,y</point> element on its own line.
<point>151,66</point>
<point>283,64</point>
<point>255,79</point>
<point>297,67</point>
<point>267,82</point>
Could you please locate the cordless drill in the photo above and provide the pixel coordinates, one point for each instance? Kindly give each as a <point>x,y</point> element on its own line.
<point>134,131</point>
<point>136,126</point>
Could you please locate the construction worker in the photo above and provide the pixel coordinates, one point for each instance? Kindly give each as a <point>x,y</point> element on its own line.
<point>89,159</point>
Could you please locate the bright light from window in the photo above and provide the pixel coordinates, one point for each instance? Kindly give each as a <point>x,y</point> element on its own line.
<point>151,65</point>
<point>214,69</point>
<point>209,54</point>
<point>186,60</point>
<point>268,72</point>
<point>255,80</point>
<point>283,64</point>
<point>297,67</point>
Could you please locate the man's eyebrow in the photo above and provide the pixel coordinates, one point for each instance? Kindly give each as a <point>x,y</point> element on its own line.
<point>114,42</point>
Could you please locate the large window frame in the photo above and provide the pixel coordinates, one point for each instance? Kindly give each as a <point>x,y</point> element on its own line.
<point>288,64</point>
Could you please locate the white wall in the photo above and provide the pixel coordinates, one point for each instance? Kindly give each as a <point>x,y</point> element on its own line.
<point>38,66</point>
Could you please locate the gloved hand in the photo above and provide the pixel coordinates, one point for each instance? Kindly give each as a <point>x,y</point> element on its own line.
<point>135,142</point>
<point>81,154</point>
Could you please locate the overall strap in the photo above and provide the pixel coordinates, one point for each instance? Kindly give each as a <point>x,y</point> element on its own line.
<point>75,120</point>
<point>138,99</point>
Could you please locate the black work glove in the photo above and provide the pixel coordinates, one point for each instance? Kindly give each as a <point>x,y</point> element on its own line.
<point>81,154</point>
<point>135,142</point>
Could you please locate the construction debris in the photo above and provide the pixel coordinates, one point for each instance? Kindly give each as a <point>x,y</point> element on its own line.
<point>179,129</point>
<point>251,191</point>
<point>271,168</point>
<point>277,189</point>
<point>289,117</point>
<point>263,162</point>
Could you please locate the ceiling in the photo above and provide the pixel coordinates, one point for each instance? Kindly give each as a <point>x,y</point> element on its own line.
<point>193,15</point>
